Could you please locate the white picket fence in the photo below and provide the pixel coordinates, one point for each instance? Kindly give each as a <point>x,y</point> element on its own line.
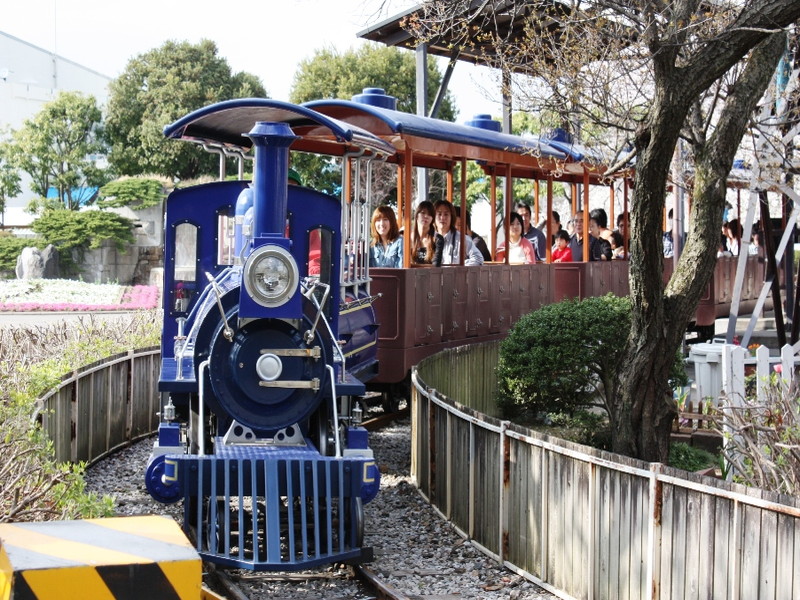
<point>720,371</point>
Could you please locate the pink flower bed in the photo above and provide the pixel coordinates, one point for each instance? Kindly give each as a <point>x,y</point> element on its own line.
<point>138,297</point>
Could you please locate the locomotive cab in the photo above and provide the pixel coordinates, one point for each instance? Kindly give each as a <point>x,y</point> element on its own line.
<point>258,413</point>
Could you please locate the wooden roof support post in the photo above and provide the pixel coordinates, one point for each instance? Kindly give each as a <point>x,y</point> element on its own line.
<point>627,236</point>
<point>408,204</point>
<point>509,191</point>
<point>549,220</point>
<point>493,200</point>
<point>463,205</point>
<point>536,202</point>
<point>586,240</point>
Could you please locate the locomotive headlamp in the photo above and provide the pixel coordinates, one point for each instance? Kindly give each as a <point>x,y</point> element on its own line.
<point>270,276</point>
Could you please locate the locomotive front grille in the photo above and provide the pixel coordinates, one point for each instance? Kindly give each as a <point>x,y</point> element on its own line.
<point>284,510</point>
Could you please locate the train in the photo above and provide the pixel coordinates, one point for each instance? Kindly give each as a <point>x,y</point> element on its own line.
<point>275,327</point>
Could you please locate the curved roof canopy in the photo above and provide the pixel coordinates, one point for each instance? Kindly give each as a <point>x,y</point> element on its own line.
<point>224,126</point>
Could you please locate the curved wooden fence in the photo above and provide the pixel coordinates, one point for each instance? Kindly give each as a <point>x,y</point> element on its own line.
<point>584,523</point>
<point>102,406</point>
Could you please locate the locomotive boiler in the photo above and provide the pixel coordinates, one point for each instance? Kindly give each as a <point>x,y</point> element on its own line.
<point>269,336</point>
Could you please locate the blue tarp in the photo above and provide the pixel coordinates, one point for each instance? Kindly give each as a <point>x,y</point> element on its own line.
<point>81,195</point>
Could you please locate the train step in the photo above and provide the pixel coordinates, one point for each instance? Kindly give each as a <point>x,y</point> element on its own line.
<point>104,559</point>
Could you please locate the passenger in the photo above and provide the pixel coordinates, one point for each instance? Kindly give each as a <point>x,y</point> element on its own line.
<point>618,246</point>
<point>445,227</point>
<point>521,249</point>
<point>576,240</point>
<point>669,244</point>
<point>426,244</point>
<point>601,218</point>
<point>733,235</point>
<point>562,252</point>
<point>386,249</point>
<point>555,227</point>
<point>479,242</point>
<point>621,221</point>
<point>600,248</point>
<point>531,233</point>
<point>755,244</point>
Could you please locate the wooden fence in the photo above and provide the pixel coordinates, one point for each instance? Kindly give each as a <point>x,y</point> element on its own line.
<point>584,523</point>
<point>102,406</point>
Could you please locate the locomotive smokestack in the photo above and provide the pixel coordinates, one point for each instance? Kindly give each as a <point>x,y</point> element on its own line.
<point>270,172</point>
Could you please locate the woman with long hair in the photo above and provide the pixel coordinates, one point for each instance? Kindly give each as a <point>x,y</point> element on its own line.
<point>445,214</point>
<point>426,244</point>
<point>520,249</point>
<point>386,248</point>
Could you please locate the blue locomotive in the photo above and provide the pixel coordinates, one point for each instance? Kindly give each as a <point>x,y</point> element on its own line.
<point>269,336</point>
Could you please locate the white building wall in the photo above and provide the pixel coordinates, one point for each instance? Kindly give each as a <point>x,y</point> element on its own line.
<point>30,77</point>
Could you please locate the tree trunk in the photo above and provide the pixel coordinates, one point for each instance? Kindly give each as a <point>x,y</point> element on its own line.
<point>643,413</point>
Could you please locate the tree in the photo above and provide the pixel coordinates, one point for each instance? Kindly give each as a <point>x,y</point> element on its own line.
<point>157,88</point>
<point>648,73</point>
<point>58,147</point>
<point>9,180</point>
<point>333,74</point>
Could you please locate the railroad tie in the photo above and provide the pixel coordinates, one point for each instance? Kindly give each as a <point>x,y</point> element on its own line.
<point>122,558</point>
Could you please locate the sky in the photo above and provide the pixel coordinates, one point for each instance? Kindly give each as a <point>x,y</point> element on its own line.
<point>268,38</point>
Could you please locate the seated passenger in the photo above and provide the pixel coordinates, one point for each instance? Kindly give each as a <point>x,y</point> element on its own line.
<point>520,249</point>
<point>600,248</point>
<point>479,242</point>
<point>386,248</point>
<point>561,252</point>
<point>445,226</point>
<point>426,244</point>
<point>618,246</point>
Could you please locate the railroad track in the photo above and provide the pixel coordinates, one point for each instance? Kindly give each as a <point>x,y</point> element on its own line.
<point>238,585</point>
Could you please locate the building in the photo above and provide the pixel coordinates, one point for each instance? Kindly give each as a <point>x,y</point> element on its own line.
<point>29,78</point>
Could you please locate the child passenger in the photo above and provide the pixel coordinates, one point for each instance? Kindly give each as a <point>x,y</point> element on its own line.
<point>562,251</point>
<point>387,244</point>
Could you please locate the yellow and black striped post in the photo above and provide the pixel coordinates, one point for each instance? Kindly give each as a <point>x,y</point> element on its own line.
<point>124,558</point>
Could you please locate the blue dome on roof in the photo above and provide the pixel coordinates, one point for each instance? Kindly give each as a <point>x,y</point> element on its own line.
<point>485,121</point>
<point>376,97</point>
<point>560,134</point>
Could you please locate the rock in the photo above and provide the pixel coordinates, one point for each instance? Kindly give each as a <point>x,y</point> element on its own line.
<point>30,264</point>
<point>51,261</point>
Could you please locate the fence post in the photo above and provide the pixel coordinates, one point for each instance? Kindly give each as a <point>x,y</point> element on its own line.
<point>763,372</point>
<point>787,366</point>
<point>733,372</point>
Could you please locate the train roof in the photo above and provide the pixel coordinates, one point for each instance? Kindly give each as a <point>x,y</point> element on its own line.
<point>436,143</point>
<point>224,126</point>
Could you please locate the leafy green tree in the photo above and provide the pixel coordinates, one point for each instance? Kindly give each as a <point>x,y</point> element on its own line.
<point>157,88</point>
<point>9,180</point>
<point>58,146</point>
<point>137,192</point>
<point>333,74</point>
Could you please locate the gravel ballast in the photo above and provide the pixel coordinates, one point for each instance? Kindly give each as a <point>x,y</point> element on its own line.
<point>416,551</point>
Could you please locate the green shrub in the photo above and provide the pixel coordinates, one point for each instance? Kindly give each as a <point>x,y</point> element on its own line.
<point>686,457</point>
<point>136,192</point>
<point>10,248</point>
<point>560,357</point>
<point>565,356</point>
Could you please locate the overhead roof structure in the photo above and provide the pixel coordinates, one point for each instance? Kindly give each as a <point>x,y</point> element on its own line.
<point>509,19</point>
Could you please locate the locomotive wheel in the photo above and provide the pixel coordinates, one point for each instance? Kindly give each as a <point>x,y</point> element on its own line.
<point>390,402</point>
<point>321,430</point>
<point>355,508</point>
